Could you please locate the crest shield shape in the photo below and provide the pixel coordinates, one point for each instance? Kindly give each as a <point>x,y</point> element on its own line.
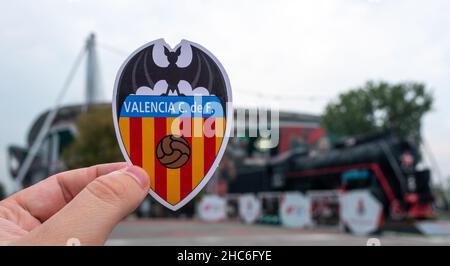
<point>172,115</point>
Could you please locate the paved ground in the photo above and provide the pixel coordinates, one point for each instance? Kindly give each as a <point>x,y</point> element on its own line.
<point>189,232</point>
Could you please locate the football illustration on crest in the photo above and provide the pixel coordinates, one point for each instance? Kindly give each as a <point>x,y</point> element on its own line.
<point>173,151</point>
<point>172,114</point>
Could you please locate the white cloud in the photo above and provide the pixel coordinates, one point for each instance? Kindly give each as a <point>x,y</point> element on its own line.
<point>186,89</point>
<point>160,88</point>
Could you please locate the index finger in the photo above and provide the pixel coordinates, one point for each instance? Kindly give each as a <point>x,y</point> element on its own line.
<point>47,197</point>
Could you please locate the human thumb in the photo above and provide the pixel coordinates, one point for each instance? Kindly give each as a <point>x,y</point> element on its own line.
<point>95,211</point>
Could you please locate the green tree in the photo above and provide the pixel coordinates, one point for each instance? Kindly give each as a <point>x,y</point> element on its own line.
<point>96,141</point>
<point>377,107</point>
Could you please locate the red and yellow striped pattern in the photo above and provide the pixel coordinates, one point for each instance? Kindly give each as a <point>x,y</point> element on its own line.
<point>140,137</point>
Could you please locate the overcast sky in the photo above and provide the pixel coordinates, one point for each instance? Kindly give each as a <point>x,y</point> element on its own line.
<point>309,51</point>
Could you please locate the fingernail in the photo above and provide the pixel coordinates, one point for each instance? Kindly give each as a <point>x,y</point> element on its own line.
<point>139,174</point>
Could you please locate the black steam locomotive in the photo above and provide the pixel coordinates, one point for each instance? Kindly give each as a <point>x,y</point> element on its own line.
<point>384,164</point>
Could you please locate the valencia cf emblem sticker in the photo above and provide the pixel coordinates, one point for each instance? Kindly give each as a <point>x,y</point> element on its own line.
<point>172,114</point>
